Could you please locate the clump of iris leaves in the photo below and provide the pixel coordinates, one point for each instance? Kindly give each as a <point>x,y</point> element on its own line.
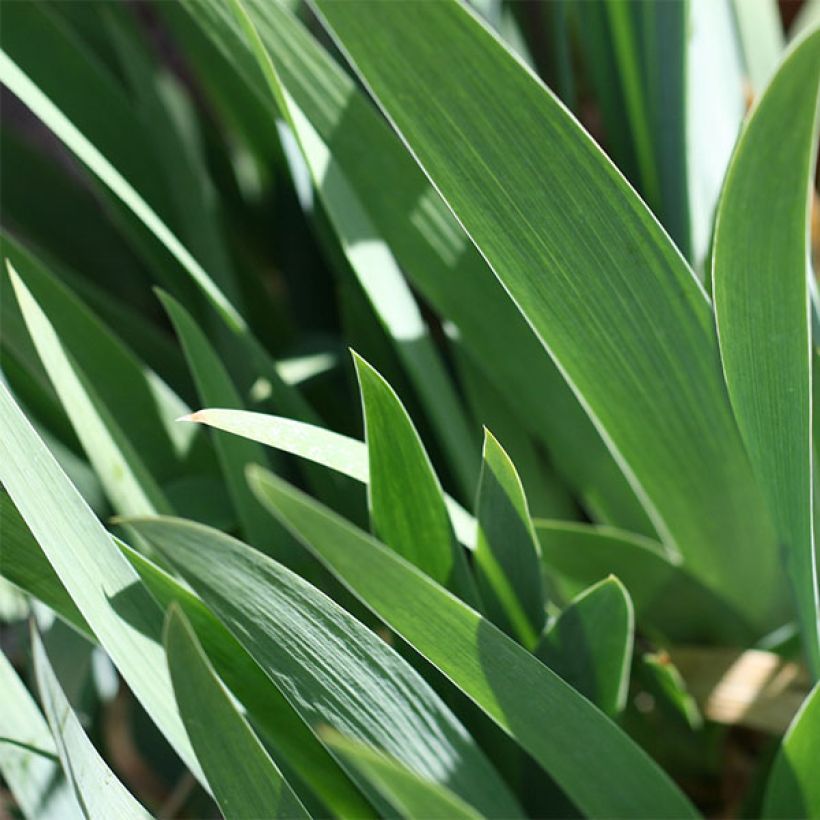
<point>406,409</point>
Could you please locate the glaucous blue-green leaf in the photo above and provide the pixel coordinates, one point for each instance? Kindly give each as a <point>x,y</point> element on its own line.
<point>425,239</point>
<point>103,585</point>
<point>572,741</point>
<point>341,453</point>
<point>128,483</point>
<point>660,587</point>
<point>761,299</point>
<point>99,793</point>
<point>333,670</point>
<point>245,782</point>
<point>507,565</point>
<point>28,755</point>
<point>617,307</point>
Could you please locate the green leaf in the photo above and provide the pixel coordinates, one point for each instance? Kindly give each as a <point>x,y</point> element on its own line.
<point>332,669</point>
<point>378,274</point>
<point>410,795</point>
<point>620,312</point>
<point>714,66</point>
<point>762,309</point>
<point>427,242</point>
<point>215,387</point>
<point>341,453</point>
<point>567,736</point>
<point>97,789</point>
<point>590,644</point>
<point>29,774</point>
<point>507,566</point>
<point>760,32</point>
<point>125,385</point>
<point>128,483</point>
<point>793,788</point>
<point>246,783</point>
<point>660,588</point>
<point>103,585</point>
<point>407,509</point>
<point>23,562</point>
<point>23,87</point>
<point>293,743</point>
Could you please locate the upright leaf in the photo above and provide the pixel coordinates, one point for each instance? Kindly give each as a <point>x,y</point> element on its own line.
<point>246,783</point>
<point>793,788</point>
<point>507,566</point>
<point>762,309</point>
<point>570,739</point>
<point>97,789</point>
<point>427,242</point>
<point>616,305</point>
<point>590,644</point>
<point>406,501</point>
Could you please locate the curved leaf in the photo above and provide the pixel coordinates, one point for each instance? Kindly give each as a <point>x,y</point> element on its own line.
<point>408,793</point>
<point>762,308</point>
<point>332,669</point>
<point>615,305</point>
<point>28,756</point>
<point>793,789</point>
<point>590,644</point>
<point>571,740</point>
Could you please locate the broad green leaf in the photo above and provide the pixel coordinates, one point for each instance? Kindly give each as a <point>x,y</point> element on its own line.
<point>409,794</point>
<point>762,309</point>
<point>23,562</point>
<point>341,453</point>
<point>28,756</point>
<point>619,310</point>
<point>427,242</point>
<point>332,669</point>
<point>572,741</point>
<point>660,588</point>
<point>665,682</point>
<point>295,746</point>
<point>129,485</point>
<point>507,566</point>
<point>590,644</point>
<point>793,788</point>
<point>378,274</point>
<point>103,585</point>
<point>246,783</point>
<point>97,789</point>
<point>407,509</point>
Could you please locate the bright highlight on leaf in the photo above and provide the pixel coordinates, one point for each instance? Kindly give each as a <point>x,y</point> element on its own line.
<point>583,232</point>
